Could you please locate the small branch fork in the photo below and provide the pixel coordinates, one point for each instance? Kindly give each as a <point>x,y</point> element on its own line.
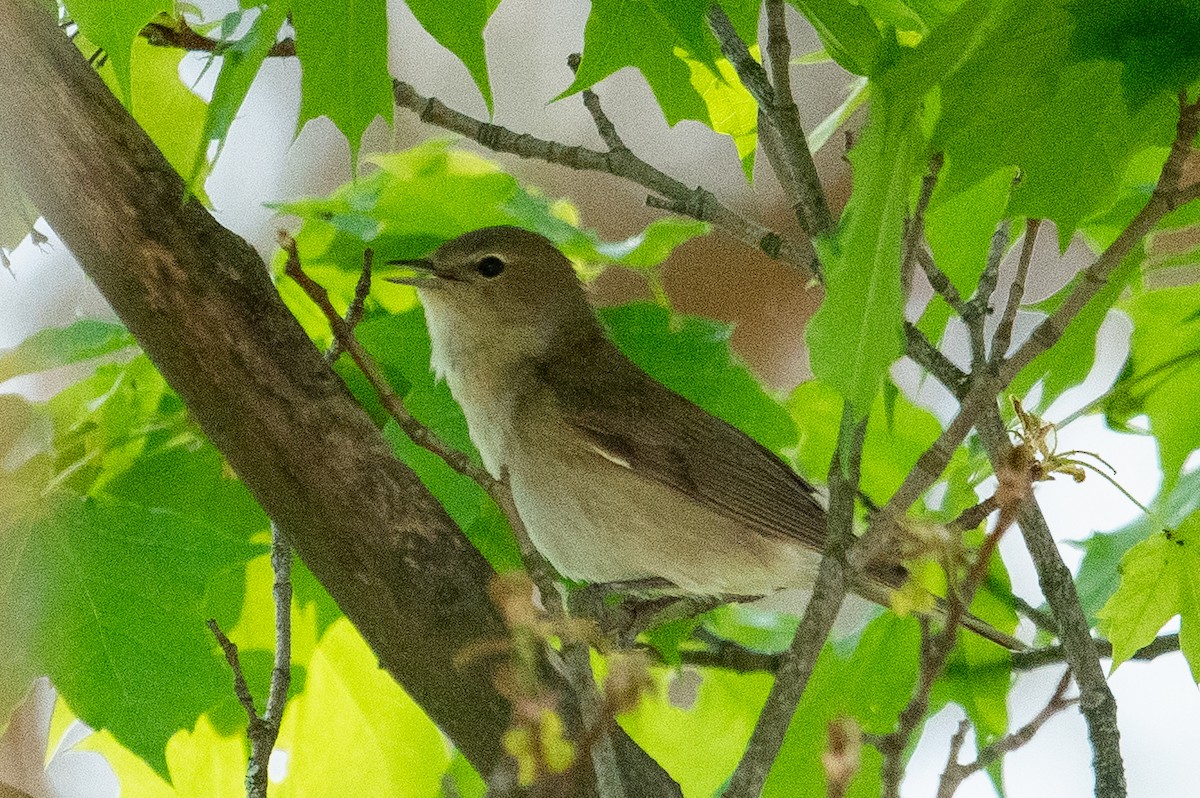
<point>956,773</point>
<point>263,730</point>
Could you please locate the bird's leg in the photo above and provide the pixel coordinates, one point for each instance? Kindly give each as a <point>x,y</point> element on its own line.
<point>624,610</point>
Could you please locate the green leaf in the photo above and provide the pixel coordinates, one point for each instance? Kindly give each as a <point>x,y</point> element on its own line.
<point>61,346</point>
<point>731,109</point>
<point>240,62</point>
<point>891,447</point>
<point>110,596</point>
<point>199,762</point>
<point>847,31</point>
<point>166,108</point>
<point>1157,41</point>
<point>386,744</point>
<point>343,54</point>
<point>1163,371</point>
<point>653,245</point>
<point>1098,573</point>
<point>1020,72</point>
<point>856,334</point>
<point>629,33</point>
<point>459,28</point>
<point>882,669</point>
<point>676,725</point>
<point>113,24</point>
<point>1160,578</point>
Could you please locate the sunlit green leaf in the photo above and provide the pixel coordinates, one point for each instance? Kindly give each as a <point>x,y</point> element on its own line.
<point>697,724</point>
<point>386,744</point>
<point>1160,578</point>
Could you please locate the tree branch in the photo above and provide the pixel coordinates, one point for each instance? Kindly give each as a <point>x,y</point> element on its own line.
<point>673,195</point>
<point>181,35</point>
<point>1096,700</point>
<point>955,772</point>
<point>799,175</point>
<point>1016,293</point>
<point>797,665</point>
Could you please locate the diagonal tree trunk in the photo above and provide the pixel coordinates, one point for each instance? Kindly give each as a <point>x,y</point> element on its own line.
<point>199,300</point>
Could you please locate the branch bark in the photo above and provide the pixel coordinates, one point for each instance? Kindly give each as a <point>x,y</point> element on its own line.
<point>200,302</point>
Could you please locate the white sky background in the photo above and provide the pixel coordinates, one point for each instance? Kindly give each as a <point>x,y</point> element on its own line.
<point>1159,706</point>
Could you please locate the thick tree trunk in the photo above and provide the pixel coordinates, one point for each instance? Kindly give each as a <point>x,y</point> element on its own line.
<point>199,300</point>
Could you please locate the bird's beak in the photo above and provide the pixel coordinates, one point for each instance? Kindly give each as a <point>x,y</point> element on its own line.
<point>426,273</point>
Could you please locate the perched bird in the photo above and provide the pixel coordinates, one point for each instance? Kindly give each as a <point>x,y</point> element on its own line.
<point>616,477</point>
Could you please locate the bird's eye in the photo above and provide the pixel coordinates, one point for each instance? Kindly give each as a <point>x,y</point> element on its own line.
<point>490,266</point>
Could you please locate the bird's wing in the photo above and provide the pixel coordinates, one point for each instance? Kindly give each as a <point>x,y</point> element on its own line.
<point>638,423</point>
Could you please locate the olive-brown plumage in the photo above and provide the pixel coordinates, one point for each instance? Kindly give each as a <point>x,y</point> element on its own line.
<point>615,476</point>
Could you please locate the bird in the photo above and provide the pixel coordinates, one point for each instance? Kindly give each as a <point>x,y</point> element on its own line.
<point>616,478</point>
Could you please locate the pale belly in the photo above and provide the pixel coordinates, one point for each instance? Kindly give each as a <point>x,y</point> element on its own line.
<point>597,521</point>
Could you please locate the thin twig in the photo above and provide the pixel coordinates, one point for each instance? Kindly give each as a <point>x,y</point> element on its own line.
<point>354,313</point>
<point>940,282</point>
<point>934,656</point>
<point>671,194</point>
<point>914,227</point>
<point>980,307</point>
<point>418,432</point>
<point>281,591</point>
<point>604,125</point>
<point>933,360</point>
<point>1040,657</point>
<point>956,772</point>
<point>830,590</point>
<point>730,656</point>
<point>1016,293</point>
<point>799,177</point>
<point>240,688</point>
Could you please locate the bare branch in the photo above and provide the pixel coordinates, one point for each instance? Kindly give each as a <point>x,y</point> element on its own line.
<point>928,356</point>
<point>799,175</point>
<point>240,688</point>
<point>978,309</point>
<point>1052,655</point>
<point>1016,293</point>
<point>604,126</point>
<point>1057,584</point>
<point>830,590</point>
<point>955,772</point>
<point>673,195</point>
<point>181,35</point>
<point>914,227</point>
<point>281,591</point>
<point>354,313</point>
